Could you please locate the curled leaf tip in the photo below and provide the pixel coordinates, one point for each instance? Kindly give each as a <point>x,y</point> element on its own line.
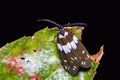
<point>97,57</point>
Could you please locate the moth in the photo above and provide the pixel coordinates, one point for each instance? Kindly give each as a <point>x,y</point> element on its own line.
<point>72,52</point>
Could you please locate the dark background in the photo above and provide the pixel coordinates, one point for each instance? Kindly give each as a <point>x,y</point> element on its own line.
<point>18,19</point>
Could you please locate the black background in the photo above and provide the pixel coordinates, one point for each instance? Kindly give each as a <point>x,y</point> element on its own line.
<point>18,19</point>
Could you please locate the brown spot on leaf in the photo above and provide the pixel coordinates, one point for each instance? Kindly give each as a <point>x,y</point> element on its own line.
<point>15,64</point>
<point>37,50</point>
<point>97,57</point>
<point>35,77</point>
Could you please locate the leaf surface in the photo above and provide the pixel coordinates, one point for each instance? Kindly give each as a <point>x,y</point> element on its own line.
<point>37,57</point>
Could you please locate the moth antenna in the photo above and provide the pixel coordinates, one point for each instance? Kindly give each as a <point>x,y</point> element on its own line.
<point>76,24</point>
<point>47,20</point>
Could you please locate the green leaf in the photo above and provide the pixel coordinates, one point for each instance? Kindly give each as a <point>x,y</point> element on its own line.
<point>41,58</point>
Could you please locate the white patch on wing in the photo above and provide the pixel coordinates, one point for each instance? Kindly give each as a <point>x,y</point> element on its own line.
<point>83,52</point>
<point>66,33</point>
<point>88,56</point>
<point>65,61</point>
<point>68,45</point>
<point>72,58</point>
<point>73,69</point>
<point>65,67</point>
<point>84,63</point>
<point>75,39</point>
<point>73,45</point>
<point>59,46</point>
<point>75,58</point>
<point>66,49</point>
<point>74,66</point>
<point>61,36</point>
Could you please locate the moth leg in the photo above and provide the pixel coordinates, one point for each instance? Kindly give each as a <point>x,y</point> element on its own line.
<point>55,37</point>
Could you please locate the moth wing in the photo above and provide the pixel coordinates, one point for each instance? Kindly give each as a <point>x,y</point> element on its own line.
<point>73,53</point>
<point>68,64</point>
<point>84,59</point>
<point>79,52</point>
<point>66,56</point>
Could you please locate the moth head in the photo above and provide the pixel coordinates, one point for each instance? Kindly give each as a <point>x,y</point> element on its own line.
<point>62,32</point>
